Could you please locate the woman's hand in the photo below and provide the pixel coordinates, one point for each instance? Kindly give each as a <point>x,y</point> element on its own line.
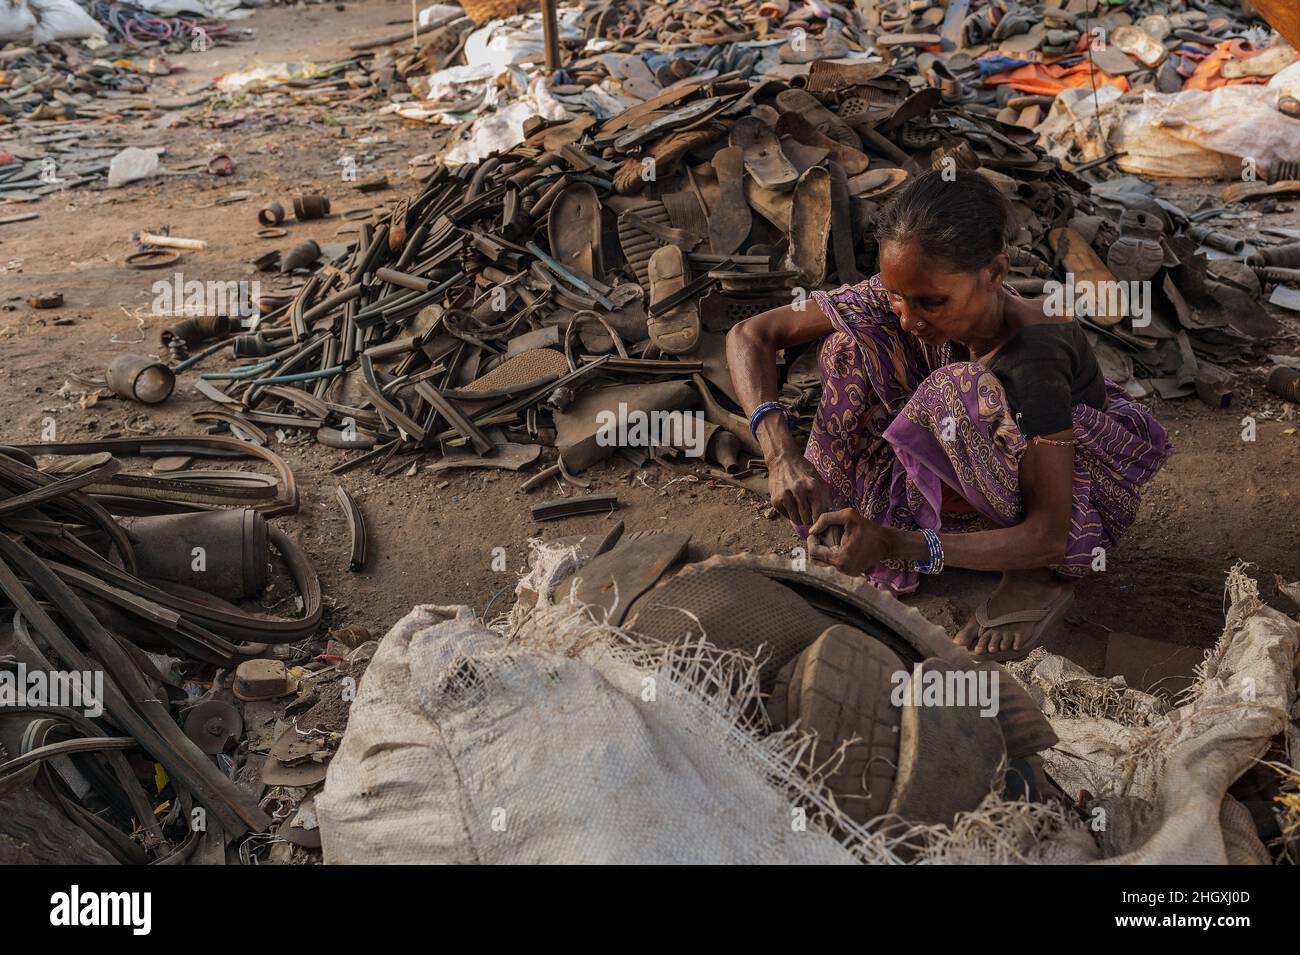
<point>797,489</point>
<point>862,544</point>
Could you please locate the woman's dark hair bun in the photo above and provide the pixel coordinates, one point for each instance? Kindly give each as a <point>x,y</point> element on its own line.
<point>957,216</point>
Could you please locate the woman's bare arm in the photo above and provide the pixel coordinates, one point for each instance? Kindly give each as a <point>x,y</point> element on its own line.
<point>752,347</point>
<point>1046,486</point>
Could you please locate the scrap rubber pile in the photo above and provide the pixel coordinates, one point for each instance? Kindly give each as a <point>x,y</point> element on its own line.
<point>135,579</point>
<point>600,262</point>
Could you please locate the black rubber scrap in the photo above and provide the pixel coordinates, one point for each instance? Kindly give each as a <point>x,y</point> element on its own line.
<point>356,528</point>
<point>571,506</point>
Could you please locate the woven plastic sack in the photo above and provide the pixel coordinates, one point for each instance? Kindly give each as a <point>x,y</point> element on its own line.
<point>16,21</point>
<point>566,743</point>
<point>462,747</point>
<point>62,20</point>
<point>1161,774</point>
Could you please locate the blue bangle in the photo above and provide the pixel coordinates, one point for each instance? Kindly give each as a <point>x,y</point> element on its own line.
<point>763,409</point>
<point>935,564</point>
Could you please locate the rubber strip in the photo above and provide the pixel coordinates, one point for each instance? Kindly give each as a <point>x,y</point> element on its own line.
<point>356,528</point>
<point>151,724</point>
<point>286,501</point>
<point>568,507</point>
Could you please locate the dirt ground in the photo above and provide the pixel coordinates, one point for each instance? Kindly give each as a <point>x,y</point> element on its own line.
<point>1220,500</point>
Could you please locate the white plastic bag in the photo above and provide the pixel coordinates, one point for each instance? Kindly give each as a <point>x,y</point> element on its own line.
<point>63,20</point>
<point>16,21</point>
<point>131,164</point>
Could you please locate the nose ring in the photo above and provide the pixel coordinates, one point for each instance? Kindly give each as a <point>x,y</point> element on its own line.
<point>920,326</point>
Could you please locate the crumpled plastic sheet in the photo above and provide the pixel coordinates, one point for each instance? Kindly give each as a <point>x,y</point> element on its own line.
<point>502,43</point>
<point>1191,134</point>
<point>254,78</point>
<point>44,21</point>
<point>499,125</point>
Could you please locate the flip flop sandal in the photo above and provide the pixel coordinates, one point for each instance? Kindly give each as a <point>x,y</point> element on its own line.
<point>644,113</point>
<point>831,45</point>
<point>699,110</point>
<point>763,157</point>
<point>808,107</point>
<point>854,161</point>
<point>842,236</point>
<point>1060,41</point>
<point>554,135</point>
<point>891,40</point>
<point>574,230</point>
<point>1137,42</point>
<point>678,331</point>
<point>895,17</point>
<point>802,157</point>
<point>773,206</point>
<point>915,106</point>
<point>763,90</point>
<point>859,111</point>
<point>876,182</point>
<point>949,86</point>
<point>1137,254</point>
<point>810,226</point>
<point>826,76</point>
<point>1013,24</point>
<point>768,114</point>
<point>1043,621</point>
<point>732,219</point>
<point>633,73</point>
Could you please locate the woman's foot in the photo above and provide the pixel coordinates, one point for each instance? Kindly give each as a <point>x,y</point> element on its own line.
<point>1018,590</point>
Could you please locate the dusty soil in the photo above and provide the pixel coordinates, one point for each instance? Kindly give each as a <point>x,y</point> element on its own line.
<point>1220,500</point>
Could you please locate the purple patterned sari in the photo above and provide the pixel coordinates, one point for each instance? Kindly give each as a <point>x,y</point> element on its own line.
<point>900,429</point>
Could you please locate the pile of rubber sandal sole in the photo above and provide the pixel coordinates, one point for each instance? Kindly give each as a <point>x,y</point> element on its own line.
<point>508,303</point>
<point>596,257</point>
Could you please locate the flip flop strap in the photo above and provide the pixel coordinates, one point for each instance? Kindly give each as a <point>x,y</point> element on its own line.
<point>1019,616</point>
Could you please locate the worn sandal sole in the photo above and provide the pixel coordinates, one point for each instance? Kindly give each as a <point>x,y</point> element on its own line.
<point>842,236</point>
<point>804,104</point>
<point>678,331</point>
<point>732,219</point>
<point>1043,621</point>
<point>574,230</point>
<point>763,157</point>
<point>810,226</point>
<point>853,161</point>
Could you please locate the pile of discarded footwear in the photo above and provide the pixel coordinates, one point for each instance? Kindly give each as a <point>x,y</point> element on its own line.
<point>145,709</point>
<point>599,263</point>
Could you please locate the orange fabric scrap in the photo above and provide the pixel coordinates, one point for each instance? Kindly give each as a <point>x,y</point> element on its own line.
<point>1209,73</point>
<point>1049,79</point>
